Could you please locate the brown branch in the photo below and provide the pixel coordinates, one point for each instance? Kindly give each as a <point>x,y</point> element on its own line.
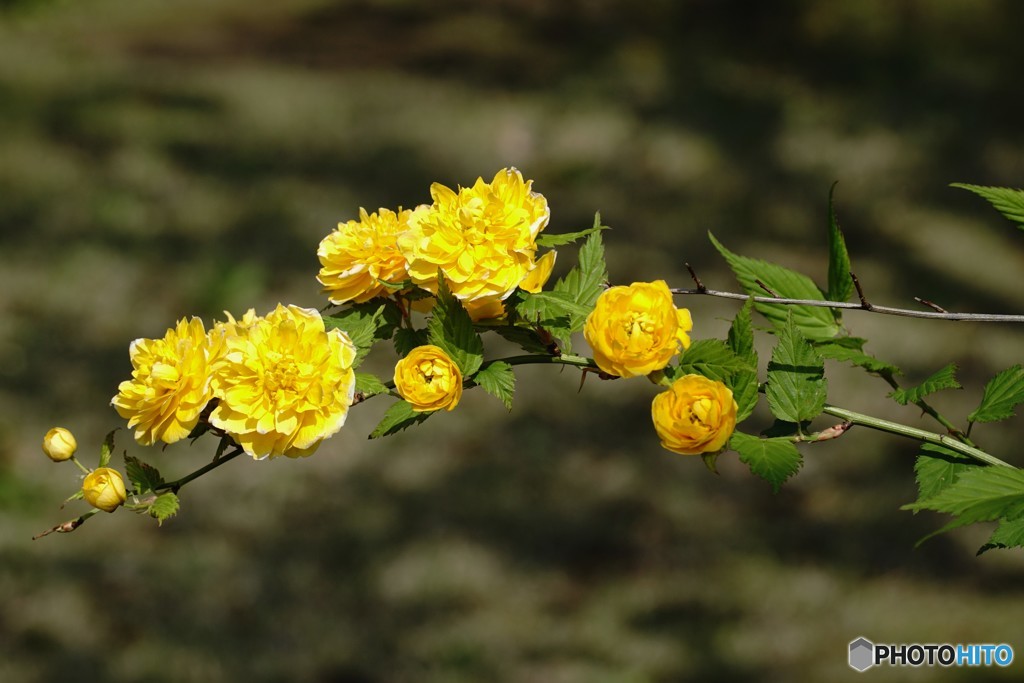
<point>863,305</point>
<point>930,304</point>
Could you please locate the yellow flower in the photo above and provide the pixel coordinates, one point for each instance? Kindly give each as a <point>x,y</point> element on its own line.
<point>284,385</point>
<point>359,254</point>
<point>636,330</point>
<point>428,379</point>
<point>536,278</point>
<point>170,384</point>
<point>696,415</point>
<point>103,488</point>
<point>482,238</point>
<point>59,444</point>
<point>221,331</point>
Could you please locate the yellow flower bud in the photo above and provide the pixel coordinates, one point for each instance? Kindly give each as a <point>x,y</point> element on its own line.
<point>59,444</point>
<point>636,330</point>
<point>428,379</point>
<point>103,488</point>
<point>696,415</point>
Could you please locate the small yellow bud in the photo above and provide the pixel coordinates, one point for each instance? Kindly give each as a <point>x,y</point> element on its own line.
<point>103,488</point>
<point>59,444</point>
<point>428,379</point>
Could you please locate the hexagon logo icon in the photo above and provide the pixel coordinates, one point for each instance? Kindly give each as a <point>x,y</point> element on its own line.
<point>862,654</point>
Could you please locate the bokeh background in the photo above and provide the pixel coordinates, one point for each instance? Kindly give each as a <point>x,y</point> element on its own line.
<point>164,159</point>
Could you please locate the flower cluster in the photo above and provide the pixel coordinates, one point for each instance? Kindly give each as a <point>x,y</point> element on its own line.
<point>481,239</point>
<point>281,383</point>
<point>635,331</point>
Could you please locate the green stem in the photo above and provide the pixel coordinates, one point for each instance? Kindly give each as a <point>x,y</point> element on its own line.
<point>173,486</point>
<point>934,414</point>
<point>85,470</point>
<point>564,359</point>
<point>943,440</point>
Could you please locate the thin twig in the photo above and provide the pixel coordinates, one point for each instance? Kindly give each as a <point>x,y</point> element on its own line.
<point>767,288</point>
<point>930,304</point>
<point>696,280</point>
<point>860,293</point>
<point>849,305</point>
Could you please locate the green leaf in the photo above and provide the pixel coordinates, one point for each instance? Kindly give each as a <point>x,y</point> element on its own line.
<point>943,379</point>
<point>582,285</point>
<point>741,334</point>
<point>551,240</point>
<point>937,468</point>
<point>406,340</point>
<point>397,286</point>
<point>529,340</point>
<point>397,417</point>
<point>980,494</point>
<point>451,328</point>
<point>1009,534</point>
<point>107,448</point>
<point>143,476</point>
<point>369,385</point>
<point>774,460</point>
<point>553,304</point>
<point>363,323</point>
<point>815,322</point>
<point>711,358</point>
<point>744,382</point>
<point>840,284</point>
<point>1006,201</point>
<point>797,387</point>
<point>77,495</point>
<point>854,356</point>
<point>498,380</point>
<point>1003,393</point>
<point>166,505</point>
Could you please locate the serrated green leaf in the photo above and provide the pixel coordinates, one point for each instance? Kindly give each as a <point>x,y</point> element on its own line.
<point>552,240</point>
<point>774,460</point>
<point>943,379</point>
<point>840,284</point>
<point>107,448</point>
<point>980,494</point>
<point>1009,534</point>
<point>744,382</point>
<point>553,304</point>
<point>797,387</point>
<point>143,476</point>
<point>582,285</point>
<point>166,505</point>
<point>1007,201</point>
<point>369,385</point>
<point>937,468</point>
<point>529,340</point>
<point>741,333</point>
<point>363,323</point>
<point>814,322</point>
<point>711,358</point>
<point>856,357</point>
<point>397,417</point>
<point>451,328</point>
<point>498,380</point>
<point>1003,393</point>
<point>405,340</point>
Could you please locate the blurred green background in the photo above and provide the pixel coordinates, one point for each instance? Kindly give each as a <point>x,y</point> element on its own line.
<point>165,159</point>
